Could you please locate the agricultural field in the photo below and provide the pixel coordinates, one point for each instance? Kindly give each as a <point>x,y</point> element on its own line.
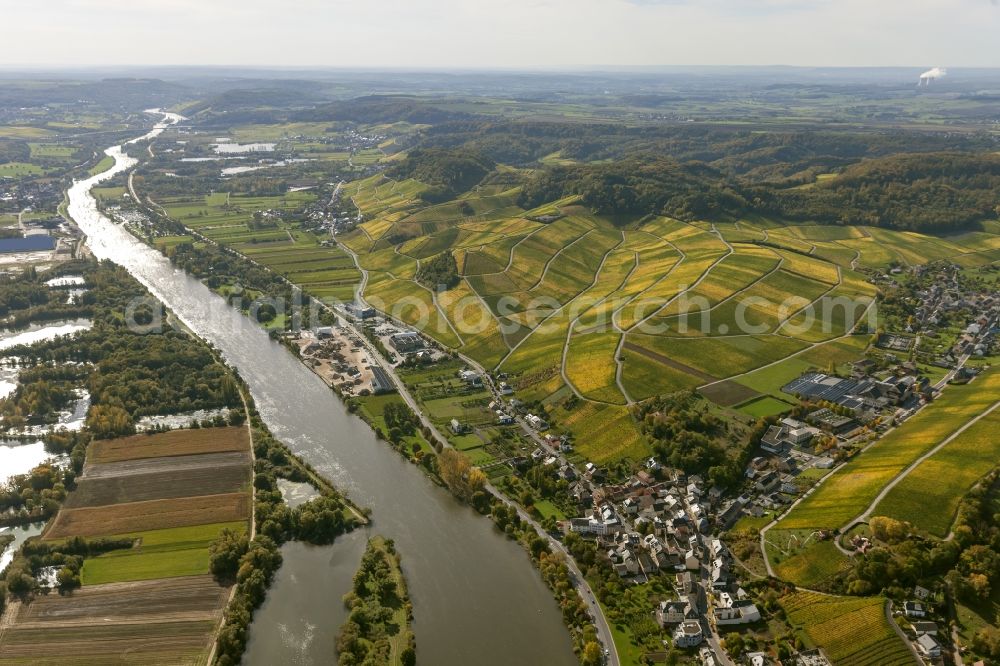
<point>171,494</point>
<point>847,492</point>
<point>851,631</point>
<point>171,443</point>
<point>739,308</point>
<point>929,496</point>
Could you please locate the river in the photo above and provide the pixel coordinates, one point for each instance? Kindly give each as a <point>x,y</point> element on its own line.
<point>477,599</point>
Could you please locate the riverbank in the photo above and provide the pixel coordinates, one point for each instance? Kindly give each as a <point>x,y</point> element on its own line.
<point>454,558</point>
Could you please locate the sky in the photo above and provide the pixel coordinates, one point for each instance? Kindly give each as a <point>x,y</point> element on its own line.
<point>509,34</point>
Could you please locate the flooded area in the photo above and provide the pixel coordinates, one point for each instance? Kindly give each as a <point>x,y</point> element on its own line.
<point>295,493</point>
<point>42,332</point>
<point>241,148</point>
<point>21,533</point>
<point>20,457</point>
<point>174,421</point>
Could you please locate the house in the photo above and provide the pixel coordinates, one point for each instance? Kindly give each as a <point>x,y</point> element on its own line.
<point>731,612</point>
<point>675,612</point>
<point>921,593</point>
<point>757,659</point>
<point>928,646</point>
<point>456,427</point>
<point>914,609</point>
<point>688,634</point>
<point>536,422</point>
<point>471,378</point>
<point>921,627</point>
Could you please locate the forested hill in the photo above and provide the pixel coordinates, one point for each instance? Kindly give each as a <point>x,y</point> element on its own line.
<point>933,192</point>
<point>448,172</point>
<point>639,186</point>
<point>926,192</point>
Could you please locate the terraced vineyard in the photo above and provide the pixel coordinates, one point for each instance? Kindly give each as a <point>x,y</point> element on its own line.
<point>851,631</point>
<point>568,302</point>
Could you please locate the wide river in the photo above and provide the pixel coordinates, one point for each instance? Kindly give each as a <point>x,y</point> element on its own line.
<point>477,599</point>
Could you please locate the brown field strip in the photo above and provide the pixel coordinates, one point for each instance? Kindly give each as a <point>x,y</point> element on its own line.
<point>152,515</point>
<point>172,443</point>
<point>669,362</point>
<point>186,598</point>
<point>170,464</point>
<point>728,393</point>
<point>159,486</point>
<point>148,643</point>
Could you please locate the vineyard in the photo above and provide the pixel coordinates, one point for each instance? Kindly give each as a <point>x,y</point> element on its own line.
<point>851,631</point>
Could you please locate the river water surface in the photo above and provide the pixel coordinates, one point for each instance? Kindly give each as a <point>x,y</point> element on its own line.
<point>476,597</point>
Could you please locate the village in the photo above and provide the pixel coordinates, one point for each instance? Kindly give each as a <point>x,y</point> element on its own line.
<point>661,521</point>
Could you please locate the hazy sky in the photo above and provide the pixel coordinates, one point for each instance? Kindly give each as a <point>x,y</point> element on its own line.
<point>501,33</point>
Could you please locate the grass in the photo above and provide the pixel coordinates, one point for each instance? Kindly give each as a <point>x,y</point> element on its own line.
<point>103,165</point>
<point>602,433</point>
<point>764,406</point>
<point>850,489</point>
<point>590,366</point>
<point>851,631</point>
<point>373,411</point>
<point>20,169</point>
<point>158,554</point>
<point>798,556</point>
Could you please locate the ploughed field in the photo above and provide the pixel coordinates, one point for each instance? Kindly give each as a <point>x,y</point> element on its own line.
<point>154,603</point>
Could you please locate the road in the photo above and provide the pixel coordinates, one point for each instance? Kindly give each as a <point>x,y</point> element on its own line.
<point>601,625</point>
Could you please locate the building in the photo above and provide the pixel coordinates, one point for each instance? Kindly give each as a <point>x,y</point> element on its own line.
<point>471,378</point>
<point>359,311</point>
<point>914,609</point>
<point>457,427</point>
<point>736,612</point>
<point>670,613</point>
<point>33,243</point>
<point>536,422</point>
<point>688,634</point>
<point>815,657</point>
<point>928,646</point>
<point>381,382</point>
<point>921,627</point>
<point>406,342</point>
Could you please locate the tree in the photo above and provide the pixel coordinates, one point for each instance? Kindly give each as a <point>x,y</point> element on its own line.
<point>592,655</point>
<point>225,552</point>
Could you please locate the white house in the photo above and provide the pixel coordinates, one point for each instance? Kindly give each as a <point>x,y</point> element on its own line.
<point>688,634</point>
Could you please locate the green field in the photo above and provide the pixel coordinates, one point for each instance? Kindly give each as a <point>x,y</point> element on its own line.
<point>181,551</point>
